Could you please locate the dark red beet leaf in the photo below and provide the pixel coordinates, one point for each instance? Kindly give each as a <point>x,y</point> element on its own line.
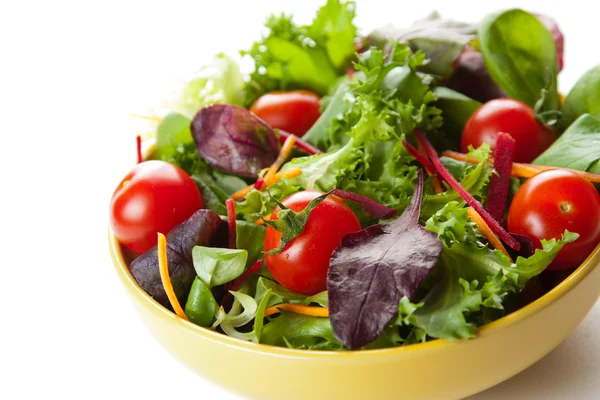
<point>374,268</point>
<point>203,228</point>
<point>504,155</point>
<point>233,140</point>
<point>374,208</point>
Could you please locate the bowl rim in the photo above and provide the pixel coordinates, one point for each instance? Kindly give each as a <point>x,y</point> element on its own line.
<point>568,284</point>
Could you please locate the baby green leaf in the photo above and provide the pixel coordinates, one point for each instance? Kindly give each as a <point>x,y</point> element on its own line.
<point>520,56</point>
<point>216,266</point>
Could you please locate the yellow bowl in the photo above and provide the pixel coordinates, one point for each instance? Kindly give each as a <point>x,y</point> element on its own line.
<point>432,370</point>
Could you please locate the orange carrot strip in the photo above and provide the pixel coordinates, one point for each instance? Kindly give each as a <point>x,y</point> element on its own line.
<point>242,192</point>
<point>520,170</point>
<point>163,268</point>
<point>287,147</point>
<point>292,173</point>
<point>486,231</point>
<point>298,309</point>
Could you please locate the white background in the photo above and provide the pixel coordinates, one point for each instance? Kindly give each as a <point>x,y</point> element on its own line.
<point>69,75</point>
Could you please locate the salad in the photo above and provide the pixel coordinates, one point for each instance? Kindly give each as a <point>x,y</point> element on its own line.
<point>361,191</point>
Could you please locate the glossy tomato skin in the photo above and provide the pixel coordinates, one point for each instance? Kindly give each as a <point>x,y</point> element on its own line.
<point>154,197</point>
<point>551,202</point>
<point>303,263</point>
<point>294,112</point>
<point>512,117</point>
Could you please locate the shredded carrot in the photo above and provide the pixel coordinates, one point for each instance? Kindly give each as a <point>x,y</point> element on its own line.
<point>298,309</point>
<point>287,147</point>
<point>242,192</point>
<point>486,231</point>
<point>163,268</point>
<point>261,221</point>
<point>292,173</point>
<point>520,170</point>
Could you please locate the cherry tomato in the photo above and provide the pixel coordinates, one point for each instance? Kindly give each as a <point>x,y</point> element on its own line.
<point>294,112</point>
<point>303,263</point>
<point>512,117</point>
<point>154,197</point>
<point>551,202</point>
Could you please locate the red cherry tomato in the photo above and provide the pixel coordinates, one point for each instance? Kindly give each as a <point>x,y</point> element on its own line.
<point>551,202</point>
<point>512,117</point>
<point>303,263</point>
<point>294,112</point>
<point>154,197</point>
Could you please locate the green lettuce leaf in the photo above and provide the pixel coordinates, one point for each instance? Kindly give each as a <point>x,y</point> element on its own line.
<point>280,294</point>
<point>219,82</point>
<point>300,331</point>
<point>308,57</point>
<point>217,266</point>
<point>259,203</point>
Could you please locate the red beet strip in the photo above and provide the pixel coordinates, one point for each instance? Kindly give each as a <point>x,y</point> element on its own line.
<point>419,157</point>
<point>499,184</point>
<point>230,204</point>
<point>138,142</point>
<point>447,176</point>
<point>374,208</point>
<point>301,144</point>
<point>259,183</point>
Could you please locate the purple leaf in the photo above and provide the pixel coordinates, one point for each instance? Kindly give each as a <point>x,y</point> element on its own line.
<point>374,268</point>
<point>234,140</point>
<point>471,78</point>
<point>203,228</point>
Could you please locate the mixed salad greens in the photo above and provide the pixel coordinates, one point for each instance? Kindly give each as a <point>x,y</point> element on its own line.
<point>305,204</point>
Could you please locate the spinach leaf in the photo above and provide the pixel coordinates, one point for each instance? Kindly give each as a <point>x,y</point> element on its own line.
<point>442,40</point>
<point>374,268</point>
<point>577,148</point>
<point>250,237</point>
<point>584,98</point>
<point>318,134</point>
<point>216,266</point>
<point>520,56</point>
<point>456,110</point>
